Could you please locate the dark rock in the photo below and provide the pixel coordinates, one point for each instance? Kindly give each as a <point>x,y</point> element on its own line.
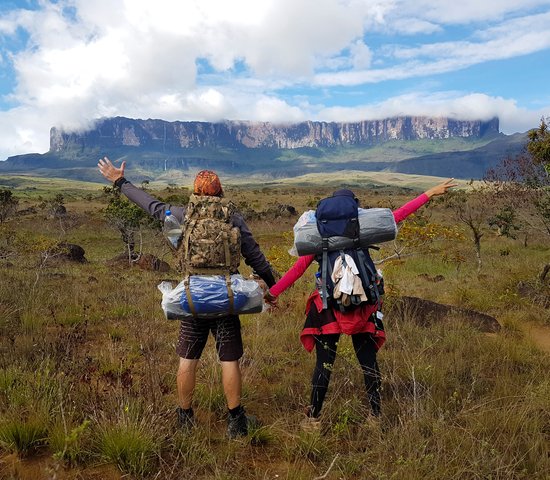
<point>435,279</point>
<point>67,251</point>
<point>27,211</point>
<point>147,261</point>
<point>278,211</point>
<point>287,211</point>
<point>57,211</point>
<point>122,259</point>
<point>426,312</point>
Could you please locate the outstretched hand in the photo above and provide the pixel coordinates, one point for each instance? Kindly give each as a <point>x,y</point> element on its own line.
<point>442,188</point>
<point>109,171</point>
<point>270,299</point>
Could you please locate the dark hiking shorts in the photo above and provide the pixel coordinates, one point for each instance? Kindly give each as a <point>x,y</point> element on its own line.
<point>226,331</point>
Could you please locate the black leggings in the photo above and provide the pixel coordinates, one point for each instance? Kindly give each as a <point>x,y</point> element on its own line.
<point>365,350</point>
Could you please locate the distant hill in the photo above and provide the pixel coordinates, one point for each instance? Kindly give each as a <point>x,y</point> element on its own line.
<point>420,145</point>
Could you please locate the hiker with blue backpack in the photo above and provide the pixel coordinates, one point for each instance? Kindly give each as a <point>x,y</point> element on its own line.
<point>349,288</point>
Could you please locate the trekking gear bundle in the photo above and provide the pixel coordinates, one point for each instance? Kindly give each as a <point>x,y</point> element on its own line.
<point>209,256</point>
<point>208,296</point>
<point>340,235</point>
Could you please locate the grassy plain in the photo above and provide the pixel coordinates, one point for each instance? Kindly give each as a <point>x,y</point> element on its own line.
<point>87,364</point>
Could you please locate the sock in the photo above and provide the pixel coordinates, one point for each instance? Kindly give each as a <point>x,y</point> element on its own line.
<point>235,412</point>
<point>188,412</point>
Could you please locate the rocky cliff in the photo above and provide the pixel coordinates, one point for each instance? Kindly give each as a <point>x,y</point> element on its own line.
<point>160,134</point>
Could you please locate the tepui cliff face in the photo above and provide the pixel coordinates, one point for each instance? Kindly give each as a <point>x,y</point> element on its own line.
<point>120,131</point>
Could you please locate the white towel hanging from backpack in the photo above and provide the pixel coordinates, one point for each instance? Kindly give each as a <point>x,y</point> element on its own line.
<point>346,278</point>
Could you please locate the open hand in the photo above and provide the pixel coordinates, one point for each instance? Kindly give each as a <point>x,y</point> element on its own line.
<point>109,171</point>
<point>442,188</point>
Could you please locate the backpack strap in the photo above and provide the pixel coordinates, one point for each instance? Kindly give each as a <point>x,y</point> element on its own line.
<point>186,282</point>
<point>365,270</point>
<point>185,242</point>
<point>230,295</point>
<point>226,248</point>
<point>324,274</point>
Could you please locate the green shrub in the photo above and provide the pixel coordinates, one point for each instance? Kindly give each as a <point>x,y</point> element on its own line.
<point>68,445</point>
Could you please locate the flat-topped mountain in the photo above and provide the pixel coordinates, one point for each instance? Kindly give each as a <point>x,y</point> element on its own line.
<point>419,145</point>
<point>173,136</point>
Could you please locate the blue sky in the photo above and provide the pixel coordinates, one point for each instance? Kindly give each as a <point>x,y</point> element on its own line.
<point>68,62</point>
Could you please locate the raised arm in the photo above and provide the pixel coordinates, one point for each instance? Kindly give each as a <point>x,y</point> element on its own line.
<point>142,199</point>
<point>410,207</point>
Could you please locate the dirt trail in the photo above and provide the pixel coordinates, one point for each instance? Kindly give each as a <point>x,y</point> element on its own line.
<point>539,334</point>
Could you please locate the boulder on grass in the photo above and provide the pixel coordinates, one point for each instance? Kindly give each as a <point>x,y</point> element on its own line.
<point>67,251</point>
<point>145,261</point>
<point>426,312</point>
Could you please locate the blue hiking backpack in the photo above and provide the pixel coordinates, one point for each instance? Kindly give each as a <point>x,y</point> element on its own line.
<point>338,216</point>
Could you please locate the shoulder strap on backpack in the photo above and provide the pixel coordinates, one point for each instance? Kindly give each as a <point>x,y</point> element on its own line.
<point>325,266</point>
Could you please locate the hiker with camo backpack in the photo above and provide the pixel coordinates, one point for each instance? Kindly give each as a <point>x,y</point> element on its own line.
<point>207,201</point>
<point>329,312</point>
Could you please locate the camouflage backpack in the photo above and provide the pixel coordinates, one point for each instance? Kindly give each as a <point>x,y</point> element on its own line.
<point>211,245</point>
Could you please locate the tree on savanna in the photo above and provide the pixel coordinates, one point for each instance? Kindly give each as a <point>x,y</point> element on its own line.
<point>472,208</point>
<point>539,145</point>
<point>128,219</point>
<point>522,182</point>
<point>55,206</point>
<point>506,222</point>
<point>8,204</point>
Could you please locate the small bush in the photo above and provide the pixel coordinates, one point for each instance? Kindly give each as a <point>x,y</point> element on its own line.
<point>68,444</point>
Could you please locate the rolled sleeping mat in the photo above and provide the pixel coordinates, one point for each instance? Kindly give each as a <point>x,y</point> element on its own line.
<point>376,225</point>
<point>210,297</point>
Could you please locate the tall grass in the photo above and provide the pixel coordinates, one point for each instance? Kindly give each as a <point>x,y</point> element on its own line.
<point>23,436</point>
<point>88,369</point>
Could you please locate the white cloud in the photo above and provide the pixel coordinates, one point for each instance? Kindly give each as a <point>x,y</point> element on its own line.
<point>463,11</point>
<point>510,39</point>
<point>473,106</point>
<point>361,55</point>
<point>414,26</point>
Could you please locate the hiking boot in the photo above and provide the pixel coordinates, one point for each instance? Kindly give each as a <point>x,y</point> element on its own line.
<point>186,419</point>
<point>240,424</point>
<point>311,425</point>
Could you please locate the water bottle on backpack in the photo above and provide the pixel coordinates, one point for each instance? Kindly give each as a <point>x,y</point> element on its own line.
<point>318,283</point>
<point>172,230</point>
